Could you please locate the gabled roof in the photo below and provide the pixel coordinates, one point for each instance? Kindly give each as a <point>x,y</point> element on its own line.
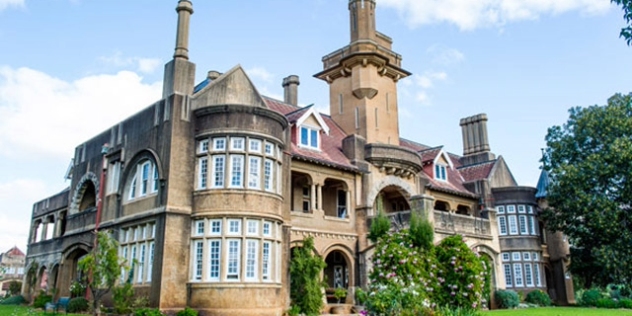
<point>430,154</point>
<point>415,146</point>
<point>453,185</point>
<point>311,112</point>
<point>232,87</point>
<point>477,171</point>
<point>15,251</point>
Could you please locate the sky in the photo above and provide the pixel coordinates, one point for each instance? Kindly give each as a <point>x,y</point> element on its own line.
<point>70,69</point>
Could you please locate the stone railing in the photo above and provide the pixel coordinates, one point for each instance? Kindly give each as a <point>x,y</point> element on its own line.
<point>462,224</point>
<point>393,159</point>
<point>80,220</point>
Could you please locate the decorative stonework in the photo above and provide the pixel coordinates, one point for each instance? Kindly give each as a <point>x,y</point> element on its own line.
<point>390,180</point>
<point>80,189</point>
<point>328,235</point>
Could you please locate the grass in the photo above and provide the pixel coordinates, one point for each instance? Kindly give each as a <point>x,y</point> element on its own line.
<point>14,310</point>
<point>559,311</point>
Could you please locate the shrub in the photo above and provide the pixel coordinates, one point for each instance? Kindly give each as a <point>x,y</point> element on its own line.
<point>625,303</point>
<point>421,232</point>
<point>148,312</point>
<point>78,305</point>
<point>14,300</point>
<point>607,302</point>
<point>123,297</point>
<point>41,300</point>
<point>77,289</point>
<point>457,311</point>
<point>590,297</point>
<point>15,287</point>
<point>507,299</point>
<point>380,224</point>
<point>538,297</point>
<point>187,312</point>
<point>305,278</point>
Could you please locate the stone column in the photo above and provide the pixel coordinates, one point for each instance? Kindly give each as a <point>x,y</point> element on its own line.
<point>312,197</point>
<point>320,196</point>
<point>44,230</point>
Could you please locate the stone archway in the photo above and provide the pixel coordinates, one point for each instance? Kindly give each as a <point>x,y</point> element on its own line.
<point>339,272</point>
<point>403,187</point>
<point>69,269</point>
<point>85,193</point>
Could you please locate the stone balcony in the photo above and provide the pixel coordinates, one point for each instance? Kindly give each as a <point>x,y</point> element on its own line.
<point>450,223</point>
<point>81,221</point>
<point>393,160</point>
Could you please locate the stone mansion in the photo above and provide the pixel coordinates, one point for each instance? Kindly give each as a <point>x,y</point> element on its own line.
<point>209,188</point>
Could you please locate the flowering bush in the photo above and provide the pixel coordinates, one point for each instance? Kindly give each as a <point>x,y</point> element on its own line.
<point>413,278</point>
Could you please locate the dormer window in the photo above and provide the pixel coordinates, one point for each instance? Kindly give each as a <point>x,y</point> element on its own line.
<point>309,137</point>
<point>440,173</point>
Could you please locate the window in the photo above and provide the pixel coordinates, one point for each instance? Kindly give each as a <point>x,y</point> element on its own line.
<point>144,180</point>
<point>536,274</point>
<point>237,143</point>
<point>440,172</point>
<point>266,229</point>
<point>265,261</point>
<point>197,269</point>
<point>526,256</point>
<point>137,241</point>
<point>253,227</point>
<point>141,264</point>
<point>269,149</point>
<point>202,173</point>
<point>114,175</point>
<point>508,280</point>
<point>251,259</point>
<point>255,146</point>
<point>150,264</point>
<point>234,226</point>
<point>219,144</point>
<point>218,171</point>
<point>203,147</point>
<point>500,209</point>
<point>515,256</point>
<point>536,256</point>
<point>518,274</point>
<point>523,224</point>
<point>254,172</point>
<point>502,225</point>
<point>309,137</point>
<point>522,209</point>
<point>234,247</point>
<point>511,208</point>
<point>530,208</point>
<point>527,274</point>
<point>156,180</point>
<point>214,251</point>
<point>199,227</point>
<point>267,175</point>
<point>532,226</point>
<point>506,256</point>
<point>513,226</point>
<point>237,171</point>
<point>216,227</point>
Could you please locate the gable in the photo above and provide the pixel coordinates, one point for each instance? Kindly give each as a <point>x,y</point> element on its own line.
<point>441,160</point>
<point>500,175</point>
<point>232,88</point>
<point>312,118</point>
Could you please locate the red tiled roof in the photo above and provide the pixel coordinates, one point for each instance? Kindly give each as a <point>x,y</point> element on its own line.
<point>406,143</point>
<point>430,154</point>
<point>15,251</point>
<point>477,171</point>
<point>330,152</point>
<point>453,185</point>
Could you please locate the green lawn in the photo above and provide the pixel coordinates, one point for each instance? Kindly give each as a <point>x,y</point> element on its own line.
<point>13,310</point>
<point>559,311</point>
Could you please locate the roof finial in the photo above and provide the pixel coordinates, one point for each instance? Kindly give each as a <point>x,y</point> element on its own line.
<point>184,9</point>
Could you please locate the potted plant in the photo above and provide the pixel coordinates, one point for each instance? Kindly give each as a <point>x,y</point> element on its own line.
<point>340,293</point>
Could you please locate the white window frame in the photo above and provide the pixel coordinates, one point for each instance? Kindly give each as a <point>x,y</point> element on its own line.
<point>522,221</point>
<point>154,179</point>
<point>512,222</point>
<point>214,259</point>
<point>145,176</point>
<point>252,227</point>
<point>199,224</point>
<point>502,226</point>
<point>511,209</point>
<point>203,146</point>
<point>508,272</point>
<point>236,171</point>
<point>269,149</point>
<point>311,131</point>
<point>198,263</point>
<point>218,172</point>
<point>528,275</point>
<point>536,274</point>
<point>268,174</point>
<point>230,230</point>
<point>506,256</point>
<point>252,251</point>
<point>518,277</point>
<point>530,209</point>
<point>254,172</point>
<point>150,263</point>
<point>265,261</point>
<point>441,172</point>
<point>263,229</point>
<point>254,146</point>
<point>536,256</point>
<point>500,209</point>
<point>141,263</point>
<point>515,256</point>
<point>203,173</point>
<point>526,256</point>
<point>522,209</point>
<point>237,143</point>
<point>213,224</point>
<point>532,226</point>
<point>233,257</point>
<point>219,144</point>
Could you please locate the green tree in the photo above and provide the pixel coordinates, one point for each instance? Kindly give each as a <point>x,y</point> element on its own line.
<point>626,32</point>
<point>305,282</point>
<point>102,268</point>
<point>15,287</point>
<point>589,160</point>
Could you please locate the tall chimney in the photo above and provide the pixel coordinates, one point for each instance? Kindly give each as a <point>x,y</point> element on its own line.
<point>475,141</point>
<point>290,89</point>
<point>184,9</point>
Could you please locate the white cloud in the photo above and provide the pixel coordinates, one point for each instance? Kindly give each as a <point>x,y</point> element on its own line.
<point>444,56</point>
<point>472,14</point>
<point>46,116</point>
<point>17,198</point>
<point>261,74</point>
<point>429,78</point>
<point>144,65</point>
<point>11,3</point>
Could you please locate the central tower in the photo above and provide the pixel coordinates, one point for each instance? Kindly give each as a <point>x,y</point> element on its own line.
<point>362,79</point>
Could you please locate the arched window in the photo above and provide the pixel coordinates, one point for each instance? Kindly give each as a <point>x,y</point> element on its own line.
<point>144,180</point>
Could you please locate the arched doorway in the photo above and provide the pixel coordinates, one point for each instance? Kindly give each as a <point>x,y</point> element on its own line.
<point>303,193</point>
<point>89,198</point>
<point>69,271</point>
<point>336,273</point>
<point>391,199</point>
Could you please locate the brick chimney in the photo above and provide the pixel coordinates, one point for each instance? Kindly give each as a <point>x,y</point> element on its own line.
<point>475,141</point>
<point>290,89</point>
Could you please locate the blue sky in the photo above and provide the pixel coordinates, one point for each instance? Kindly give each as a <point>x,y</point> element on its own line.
<point>71,68</point>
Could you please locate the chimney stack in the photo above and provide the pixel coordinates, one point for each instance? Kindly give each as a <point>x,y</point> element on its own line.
<point>184,9</point>
<point>180,72</point>
<point>290,89</point>
<point>475,142</point>
<point>213,74</point>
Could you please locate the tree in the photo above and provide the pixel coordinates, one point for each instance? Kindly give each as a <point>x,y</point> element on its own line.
<point>101,267</point>
<point>626,32</point>
<point>305,278</point>
<point>589,159</point>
